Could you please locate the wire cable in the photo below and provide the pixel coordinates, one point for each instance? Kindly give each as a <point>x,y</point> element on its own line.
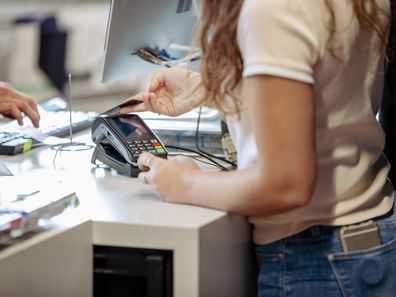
<point>197,158</point>
<point>200,154</point>
<point>204,152</point>
<point>69,147</point>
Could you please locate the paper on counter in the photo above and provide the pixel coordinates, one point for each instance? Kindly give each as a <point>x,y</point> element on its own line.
<point>36,134</point>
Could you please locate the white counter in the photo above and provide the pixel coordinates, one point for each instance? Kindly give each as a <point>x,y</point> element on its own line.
<point>211,249</point>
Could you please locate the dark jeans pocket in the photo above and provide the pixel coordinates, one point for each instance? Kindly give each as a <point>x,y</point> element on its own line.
<point>369,273</point>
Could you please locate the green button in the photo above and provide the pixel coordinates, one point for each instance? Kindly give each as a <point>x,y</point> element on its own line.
<point>160,150</point>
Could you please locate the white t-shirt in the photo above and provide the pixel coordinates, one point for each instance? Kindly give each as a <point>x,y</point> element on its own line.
<point>288,38</point>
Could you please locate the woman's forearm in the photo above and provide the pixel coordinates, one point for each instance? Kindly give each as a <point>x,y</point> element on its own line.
<point>245,192</point>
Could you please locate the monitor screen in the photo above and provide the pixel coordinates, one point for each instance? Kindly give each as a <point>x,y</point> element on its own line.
<point>137,24</point>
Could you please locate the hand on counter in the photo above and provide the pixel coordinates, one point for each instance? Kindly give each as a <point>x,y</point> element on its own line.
<point>14,104</point>
<point>167,176</point>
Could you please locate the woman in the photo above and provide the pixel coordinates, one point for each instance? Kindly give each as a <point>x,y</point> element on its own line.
<point>300,82</point>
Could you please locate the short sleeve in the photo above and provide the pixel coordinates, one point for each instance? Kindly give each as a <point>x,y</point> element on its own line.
<point>276,37</point>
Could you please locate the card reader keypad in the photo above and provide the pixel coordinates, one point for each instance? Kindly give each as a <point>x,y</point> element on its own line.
<point>151,146</point>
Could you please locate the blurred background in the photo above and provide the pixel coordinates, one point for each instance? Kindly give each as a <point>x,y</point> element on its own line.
<point>42,41</point>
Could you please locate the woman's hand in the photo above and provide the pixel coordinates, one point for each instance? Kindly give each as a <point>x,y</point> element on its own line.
<point>169,93</point>
<point>170,179</point>
<point>15,104</point>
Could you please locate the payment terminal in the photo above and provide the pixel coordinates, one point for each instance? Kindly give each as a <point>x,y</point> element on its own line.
<point>120,139</point>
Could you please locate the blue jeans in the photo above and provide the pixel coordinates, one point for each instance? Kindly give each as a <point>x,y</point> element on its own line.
<point>312,263</point>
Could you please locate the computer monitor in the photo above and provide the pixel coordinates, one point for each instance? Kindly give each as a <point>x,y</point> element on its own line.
<point>137,24</point>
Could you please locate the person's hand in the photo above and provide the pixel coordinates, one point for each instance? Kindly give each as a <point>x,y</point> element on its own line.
<point>167,94</point>
<point>168,178</point>
<point>14,104</point>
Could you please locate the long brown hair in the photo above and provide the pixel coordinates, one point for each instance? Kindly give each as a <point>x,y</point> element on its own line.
<point>222,64</point>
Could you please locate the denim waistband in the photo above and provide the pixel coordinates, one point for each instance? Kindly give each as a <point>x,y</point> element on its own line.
<point>322,231</point>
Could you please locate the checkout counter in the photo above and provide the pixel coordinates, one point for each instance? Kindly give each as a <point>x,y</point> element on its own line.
<point>198,252</point>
